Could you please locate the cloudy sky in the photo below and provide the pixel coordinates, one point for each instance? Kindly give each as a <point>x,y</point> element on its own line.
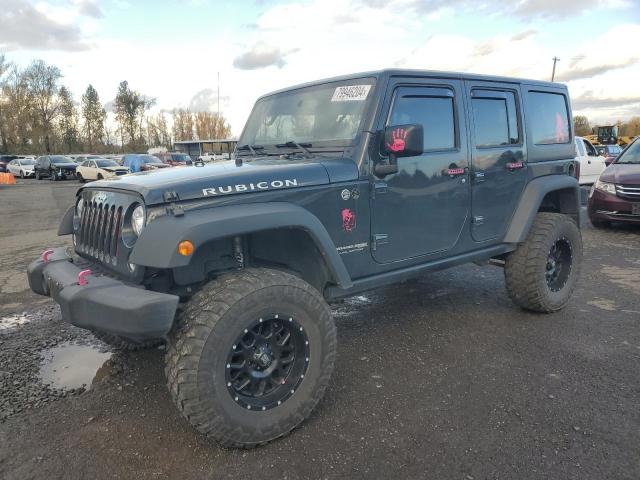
<point>174,49</point>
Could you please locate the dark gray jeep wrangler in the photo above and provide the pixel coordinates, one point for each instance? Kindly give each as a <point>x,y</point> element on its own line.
<point>337,187</point>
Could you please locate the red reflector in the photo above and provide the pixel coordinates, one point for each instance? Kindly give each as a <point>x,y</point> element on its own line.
<point>46,254</point>
<point>82,277</point>
<point>515,165</point>
<point>455,171</point>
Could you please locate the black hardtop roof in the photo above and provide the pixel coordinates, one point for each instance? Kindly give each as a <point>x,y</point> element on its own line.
<point>399,72</point>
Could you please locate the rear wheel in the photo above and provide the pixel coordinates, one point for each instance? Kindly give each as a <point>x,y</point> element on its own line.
<point>100,177</point>
<point>37,175</point>
<point>251,356</point>
<point>542,272</point>
<point>80,178</point>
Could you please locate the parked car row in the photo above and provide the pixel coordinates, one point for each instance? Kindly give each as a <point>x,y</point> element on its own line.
<point>5,160</point>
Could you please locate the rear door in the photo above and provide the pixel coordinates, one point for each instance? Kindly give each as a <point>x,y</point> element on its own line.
<point>499,167</point>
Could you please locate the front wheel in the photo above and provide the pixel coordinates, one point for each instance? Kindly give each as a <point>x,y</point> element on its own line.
<point>251,355</point>
<point>542,272</point>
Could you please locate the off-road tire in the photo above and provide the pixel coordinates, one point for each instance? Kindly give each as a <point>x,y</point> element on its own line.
<point>204,334</point>
<point>123,344</point>
<point>526,267</point>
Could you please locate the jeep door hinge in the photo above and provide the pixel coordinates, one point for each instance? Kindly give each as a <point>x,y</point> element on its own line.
<point>379,239</point>
<point>379,188</point>
<point>477,221</point>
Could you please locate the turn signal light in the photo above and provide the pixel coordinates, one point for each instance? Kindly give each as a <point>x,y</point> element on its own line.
<point>185,248</point>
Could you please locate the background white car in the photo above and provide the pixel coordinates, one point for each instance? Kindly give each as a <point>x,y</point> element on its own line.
<point>591,163</point>
<point>22,167</point>
<point>99,168</point>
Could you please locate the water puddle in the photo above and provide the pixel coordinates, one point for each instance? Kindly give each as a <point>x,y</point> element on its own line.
<point>13,321</point>
<point>69,366</point>
<point>350,305</point>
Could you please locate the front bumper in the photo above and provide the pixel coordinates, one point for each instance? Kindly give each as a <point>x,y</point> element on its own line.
<point>611,208</point>
<point>102,304</point>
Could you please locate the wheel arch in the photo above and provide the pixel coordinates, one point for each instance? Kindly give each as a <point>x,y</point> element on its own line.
<point>551,193</point>
<point>278,233</point>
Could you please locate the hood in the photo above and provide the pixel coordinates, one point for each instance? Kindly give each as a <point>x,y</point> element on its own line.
<point>622,174</point>
<point>114,169</point>
<point>226,178</point>
<point>64,165</point>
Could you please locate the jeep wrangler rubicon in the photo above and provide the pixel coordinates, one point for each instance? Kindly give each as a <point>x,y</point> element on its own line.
<point>337,187</point>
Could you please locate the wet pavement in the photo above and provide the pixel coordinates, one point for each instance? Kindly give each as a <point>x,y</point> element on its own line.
<point>69,366</point>
<point>438,377</point>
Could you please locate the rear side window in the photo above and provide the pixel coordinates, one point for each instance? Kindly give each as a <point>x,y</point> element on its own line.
<point>549,118</point>
<point>434,113</point>
<point>495,118</point>
<point>580,147</point>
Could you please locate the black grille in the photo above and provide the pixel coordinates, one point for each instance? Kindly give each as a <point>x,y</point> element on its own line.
<point>98,233</point>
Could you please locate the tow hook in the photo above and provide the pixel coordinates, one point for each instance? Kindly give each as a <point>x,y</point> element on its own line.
<point>82,277</point>
<point>46,254</point>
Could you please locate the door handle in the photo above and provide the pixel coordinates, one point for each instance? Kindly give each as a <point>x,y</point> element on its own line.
<point>454,172</point>
<point>514,165</point>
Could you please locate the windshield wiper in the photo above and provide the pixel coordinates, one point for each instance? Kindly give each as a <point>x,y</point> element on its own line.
<point>251,148</point>
<point>301,146</point>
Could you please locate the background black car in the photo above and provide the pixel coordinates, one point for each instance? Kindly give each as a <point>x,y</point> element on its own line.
<point>4,160</point>
<point>54,167</point>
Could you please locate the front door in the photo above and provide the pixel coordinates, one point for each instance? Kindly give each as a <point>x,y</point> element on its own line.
<point>421,210</point>
<point>499,167</point>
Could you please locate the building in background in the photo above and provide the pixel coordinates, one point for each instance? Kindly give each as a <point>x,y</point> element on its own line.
<point>211,149</point>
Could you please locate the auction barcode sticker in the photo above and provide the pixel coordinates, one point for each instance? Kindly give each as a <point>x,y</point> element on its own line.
<point>351,93</point>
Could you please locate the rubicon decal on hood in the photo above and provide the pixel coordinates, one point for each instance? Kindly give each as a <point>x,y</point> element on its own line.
<point>250,187</point>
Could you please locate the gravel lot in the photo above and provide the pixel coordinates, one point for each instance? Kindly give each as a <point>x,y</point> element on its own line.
<point>439,377</point>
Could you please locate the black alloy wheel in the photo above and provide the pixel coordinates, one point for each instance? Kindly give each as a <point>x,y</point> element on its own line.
<point>267,362</point>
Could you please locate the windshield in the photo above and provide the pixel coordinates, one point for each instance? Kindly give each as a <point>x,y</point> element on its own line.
<point>631,154</point>
<point>149,159</point>
<point>180,157</point>
<point>59,160</point>
<point>321,115</point>
<point>106,163</point>
<point>27,161</point>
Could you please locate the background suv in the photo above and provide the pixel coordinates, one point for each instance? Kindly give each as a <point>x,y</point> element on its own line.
<point>55,167</point>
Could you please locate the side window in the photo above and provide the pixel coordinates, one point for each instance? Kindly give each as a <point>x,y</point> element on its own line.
<point>580,147</point>
<point>549,118</point>
<point>434,113</point>
<point>495,118</point>
<point>591,151</point>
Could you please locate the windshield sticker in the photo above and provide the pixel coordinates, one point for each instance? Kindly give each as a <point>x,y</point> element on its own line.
<point>250,187</point>
<point>351,93</point>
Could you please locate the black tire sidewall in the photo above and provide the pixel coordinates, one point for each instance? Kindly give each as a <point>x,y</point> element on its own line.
<point>213,391</point>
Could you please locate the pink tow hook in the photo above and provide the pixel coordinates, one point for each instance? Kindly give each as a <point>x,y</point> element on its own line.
<point>46,254</point>
<point>82,277</point>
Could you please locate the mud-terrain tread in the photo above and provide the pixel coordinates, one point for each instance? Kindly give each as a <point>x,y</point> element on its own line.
<point>522,275</point>
<point>122,344</point>
<point>191,330</point>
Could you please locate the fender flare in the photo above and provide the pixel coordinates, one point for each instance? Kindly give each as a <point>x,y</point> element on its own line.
<point>157,245</point>
<point>530,202</point>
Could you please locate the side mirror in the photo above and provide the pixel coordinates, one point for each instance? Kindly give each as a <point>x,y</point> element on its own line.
<point>399,141</point>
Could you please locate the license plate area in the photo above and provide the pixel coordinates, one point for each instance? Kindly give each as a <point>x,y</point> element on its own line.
<point>635,208</point>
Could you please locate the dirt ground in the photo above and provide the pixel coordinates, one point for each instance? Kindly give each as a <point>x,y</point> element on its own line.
<point>441,377</point>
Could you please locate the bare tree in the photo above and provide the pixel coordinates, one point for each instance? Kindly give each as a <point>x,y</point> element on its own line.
<point>4,68</point>
<point>211,126</point>
<point>581,125</point>
<point>42,81</point>
<point>182,124</point>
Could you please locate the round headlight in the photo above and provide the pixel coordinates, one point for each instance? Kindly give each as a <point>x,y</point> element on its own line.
<point>137,220</point>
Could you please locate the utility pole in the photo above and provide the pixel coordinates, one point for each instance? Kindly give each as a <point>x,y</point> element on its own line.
<point>553,73</point>
<point>219,94</point>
